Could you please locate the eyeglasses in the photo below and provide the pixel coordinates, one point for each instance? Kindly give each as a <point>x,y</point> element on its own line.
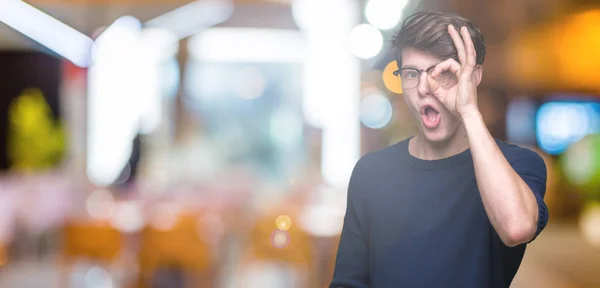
<point>410,77</point>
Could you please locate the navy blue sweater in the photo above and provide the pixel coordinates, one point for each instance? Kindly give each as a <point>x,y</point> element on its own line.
<point>421,223</point>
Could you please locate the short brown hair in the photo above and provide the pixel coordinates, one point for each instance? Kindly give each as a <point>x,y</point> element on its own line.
<point>428,31</point>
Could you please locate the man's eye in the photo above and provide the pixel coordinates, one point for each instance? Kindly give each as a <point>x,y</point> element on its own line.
<point>411,75</point>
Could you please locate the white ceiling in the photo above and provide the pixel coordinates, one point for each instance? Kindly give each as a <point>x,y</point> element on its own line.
<point>88,19</point>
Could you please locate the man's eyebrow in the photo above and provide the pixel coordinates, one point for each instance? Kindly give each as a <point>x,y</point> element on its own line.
<point>415,67</point>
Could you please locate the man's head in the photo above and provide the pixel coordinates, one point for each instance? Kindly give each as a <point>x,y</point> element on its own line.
<point>422,42</point>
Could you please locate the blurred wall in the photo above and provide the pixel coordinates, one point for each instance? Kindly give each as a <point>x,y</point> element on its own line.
<point>20,70</point>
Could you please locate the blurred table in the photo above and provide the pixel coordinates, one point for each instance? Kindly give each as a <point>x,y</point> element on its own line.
<point>560,258</point>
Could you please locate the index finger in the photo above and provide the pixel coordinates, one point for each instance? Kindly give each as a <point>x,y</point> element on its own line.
<point>459,44</point>
<point>471,53</point>
<point>446,65</point>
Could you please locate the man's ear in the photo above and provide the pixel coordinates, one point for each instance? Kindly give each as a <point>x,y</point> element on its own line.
<point>478,74</point>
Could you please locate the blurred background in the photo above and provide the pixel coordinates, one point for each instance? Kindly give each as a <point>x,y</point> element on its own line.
<point>177,143</point>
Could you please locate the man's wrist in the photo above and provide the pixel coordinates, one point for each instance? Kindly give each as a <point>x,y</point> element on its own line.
<point>470,114</point>
<point>473,122</point>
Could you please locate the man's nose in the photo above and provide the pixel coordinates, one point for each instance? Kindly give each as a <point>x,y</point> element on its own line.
<point>422,87</point>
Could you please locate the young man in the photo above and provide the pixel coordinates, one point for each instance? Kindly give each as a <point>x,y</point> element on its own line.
<point>451,206</point>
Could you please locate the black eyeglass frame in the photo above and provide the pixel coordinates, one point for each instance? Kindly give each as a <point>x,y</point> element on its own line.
<point>419,71</point>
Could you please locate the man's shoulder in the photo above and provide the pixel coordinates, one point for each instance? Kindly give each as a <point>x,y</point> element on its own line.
<point>380,158</point>
<point>515,153</point>
<point>376,163</point>
<point>373,166</point>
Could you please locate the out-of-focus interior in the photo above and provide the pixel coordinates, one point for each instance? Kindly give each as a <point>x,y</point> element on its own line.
<point>209,143</point>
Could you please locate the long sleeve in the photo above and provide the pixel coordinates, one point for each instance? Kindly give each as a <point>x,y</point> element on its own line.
<point>352,261</point>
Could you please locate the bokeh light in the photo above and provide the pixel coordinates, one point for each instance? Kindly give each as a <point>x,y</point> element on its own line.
<point>280,239</point>
<point>265,274</point>
<point>589,223</point>
<point>375,111</point>
<point>165,216</point>
<point>312,15</point>
<point>100,204</point>
<point>365,41</point>
<point>97,277</point>
<point>283,222</point>
<point>322,220</point>
<point>384,14</point>
<point>581,163</point>
<point>560,124</point>
<point>307,15</point>
<point>250,83</point>
<point>128,217</point>
<point>286,128</point>
<point>391,81</point>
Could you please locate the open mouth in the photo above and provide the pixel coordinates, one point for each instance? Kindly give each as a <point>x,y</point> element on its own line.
<point>430,116</point>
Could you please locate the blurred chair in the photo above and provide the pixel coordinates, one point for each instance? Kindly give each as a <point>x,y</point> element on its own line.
<point>277,244</point>
<point>94,241</point>
<point>3,255</point>
<point>176,248</point>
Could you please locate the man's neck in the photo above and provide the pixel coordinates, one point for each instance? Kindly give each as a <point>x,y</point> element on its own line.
<point>421,148</point>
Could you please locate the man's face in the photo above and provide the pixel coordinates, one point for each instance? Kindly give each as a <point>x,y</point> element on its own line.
<point>435,122</point>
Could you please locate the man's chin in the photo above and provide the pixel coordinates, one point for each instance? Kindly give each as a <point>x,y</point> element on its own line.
<point>436,136</point>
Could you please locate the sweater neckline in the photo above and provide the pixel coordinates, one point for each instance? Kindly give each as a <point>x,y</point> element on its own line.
<point>444,163</point>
